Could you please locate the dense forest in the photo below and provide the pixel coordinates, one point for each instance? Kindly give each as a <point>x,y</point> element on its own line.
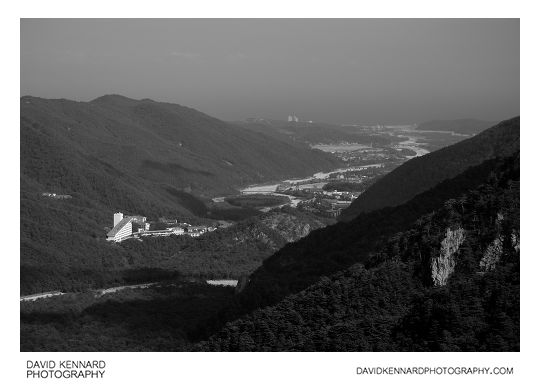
<point>334,248</point>
<point>430,264</point>
<point>144,143</point>
<point>400,298</point>
<point>140,157</point>
<point>230,252</point>
<point>161,318</point>
<point>396,301</point>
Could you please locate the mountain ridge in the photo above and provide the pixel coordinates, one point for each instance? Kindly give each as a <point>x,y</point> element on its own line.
<point>460,126</point>
<point>396,302</point>
<point>139,157</point>
<point>421,173</point>
<point>333,248</point>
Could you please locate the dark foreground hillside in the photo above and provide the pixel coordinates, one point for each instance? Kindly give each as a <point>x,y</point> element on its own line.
<point>449,283</point>
<point>334,248</point>
<point>422,173</point>
<point>161,318</point>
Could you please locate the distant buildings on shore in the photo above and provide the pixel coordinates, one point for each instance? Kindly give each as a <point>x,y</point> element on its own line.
<point>292,118</point>
<point>123,228</point>
<point>270,122</point>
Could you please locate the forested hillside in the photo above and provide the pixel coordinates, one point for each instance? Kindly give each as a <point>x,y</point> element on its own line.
<point>420,174</point>
<point>154,143</point>
<point>337,247</point>
<point>448,283</point>
<point>298,133</point>
<point>233,252</point>
<point>140,157</point>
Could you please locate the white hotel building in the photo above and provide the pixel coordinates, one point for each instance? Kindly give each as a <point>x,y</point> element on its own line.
<point>122,228</point>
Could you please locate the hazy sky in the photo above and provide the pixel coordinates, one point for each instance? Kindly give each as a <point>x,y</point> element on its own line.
<point>332,70</point>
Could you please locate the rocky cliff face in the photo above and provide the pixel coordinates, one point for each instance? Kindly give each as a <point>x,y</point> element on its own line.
<point>292,226</point>
<point>274,229</point>
<point>443,265</point>
<point>495,249</point>
<point>492,255</point>
<point>256,233</point>
<point>515,240</point>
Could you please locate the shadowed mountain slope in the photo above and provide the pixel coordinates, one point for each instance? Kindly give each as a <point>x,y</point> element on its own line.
<point>420,174</point>
<point>450,282</point>
<point>334,248</point>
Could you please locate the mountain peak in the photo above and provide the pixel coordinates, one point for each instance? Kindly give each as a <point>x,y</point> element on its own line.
<point>114,99</point>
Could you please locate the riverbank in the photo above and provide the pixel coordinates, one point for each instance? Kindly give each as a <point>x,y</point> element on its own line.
<point>358,152</point>
<point>272,187</point>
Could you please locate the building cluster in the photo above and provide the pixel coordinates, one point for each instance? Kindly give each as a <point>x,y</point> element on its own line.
<point>123,228</point>
<point>314,192</point>
<point>330,208</point>
<point>56,196</point>
<point>316,200</point>
<point>292,118</point>
<point>348,196</point>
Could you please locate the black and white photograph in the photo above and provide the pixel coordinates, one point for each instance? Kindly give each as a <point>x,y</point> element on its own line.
<point>268,184</point>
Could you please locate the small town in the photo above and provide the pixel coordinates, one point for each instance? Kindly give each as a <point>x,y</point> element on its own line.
<point>137,226</point>
<point>324,194</point>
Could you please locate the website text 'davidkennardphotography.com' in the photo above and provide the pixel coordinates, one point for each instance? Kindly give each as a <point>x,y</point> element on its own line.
<point>434,370</point>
